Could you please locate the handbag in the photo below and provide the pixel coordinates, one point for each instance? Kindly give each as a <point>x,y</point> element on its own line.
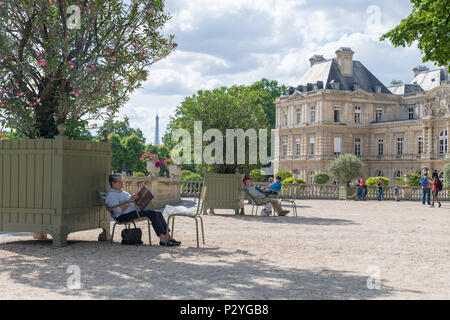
<point>132,236</point>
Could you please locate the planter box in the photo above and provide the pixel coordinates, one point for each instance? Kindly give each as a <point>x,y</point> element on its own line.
<point>50,186</point>
<point>151,168</point>
<point>345,192</point>
<point>225,191</point>
<point>174,170</point>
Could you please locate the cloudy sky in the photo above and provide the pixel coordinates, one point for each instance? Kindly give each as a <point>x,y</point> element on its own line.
<point>241,41</point>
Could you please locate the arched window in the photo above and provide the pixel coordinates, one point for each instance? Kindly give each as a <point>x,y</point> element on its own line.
<point>380,173</point>
<point>398,174</point>
<point>358,146</point>
<point>441,176</point>
<point>443,142</point>
<point>311,177</point>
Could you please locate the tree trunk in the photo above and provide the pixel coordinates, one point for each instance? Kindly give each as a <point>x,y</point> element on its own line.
<point>45,120</point>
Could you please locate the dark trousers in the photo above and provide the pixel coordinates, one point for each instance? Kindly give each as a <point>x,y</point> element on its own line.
<point>156,217</point>
<point>426,194</point>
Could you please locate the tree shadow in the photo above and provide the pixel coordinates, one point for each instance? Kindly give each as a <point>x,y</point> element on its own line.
<point>130,272</point>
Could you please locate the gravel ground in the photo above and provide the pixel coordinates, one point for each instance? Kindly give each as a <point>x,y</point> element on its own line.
<point>332,250</point>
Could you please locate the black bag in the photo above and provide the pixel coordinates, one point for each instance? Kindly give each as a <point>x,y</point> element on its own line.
<point>132,236</point>
<point>439,185</point>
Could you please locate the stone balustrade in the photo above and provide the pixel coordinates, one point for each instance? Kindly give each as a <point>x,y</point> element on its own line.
<point>165,190</point>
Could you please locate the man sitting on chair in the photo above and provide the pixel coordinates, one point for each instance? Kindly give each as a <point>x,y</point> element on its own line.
<point>127,211</point>
<point>275,187</point>
<point>261,198</point>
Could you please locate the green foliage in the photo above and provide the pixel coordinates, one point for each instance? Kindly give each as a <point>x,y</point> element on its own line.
<point>118,152</point>
<point>222,108</point>
<point>288,180</point>
<point>77,130</point>
<point>284,174</point>
<point>429,25</point>
<point>447,175</point>
<point>300,181</point>
<point>134,149</point>
<point>321,178</point>
<point>346,168</point>
<point>12,134</point>
<point>55,73</point>
<point>414,180</point>
<point>185,173</point>
<point>400,182</point>
<point>193,177</point>
<point>122,128</point>
<point>372,181</point>
<point>139,174</point>
<point>257,175</point>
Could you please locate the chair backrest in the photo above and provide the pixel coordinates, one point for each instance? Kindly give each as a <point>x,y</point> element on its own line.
<point>201,200</point>
<point>102,196</point>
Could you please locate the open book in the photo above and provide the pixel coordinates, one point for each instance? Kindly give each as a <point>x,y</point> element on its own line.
<point>145,196</point>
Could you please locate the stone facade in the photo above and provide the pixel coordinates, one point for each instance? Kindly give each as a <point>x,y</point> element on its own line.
<point>334,113</point>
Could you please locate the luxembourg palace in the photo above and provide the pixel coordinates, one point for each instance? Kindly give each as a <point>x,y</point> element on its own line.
<point>341,107</point>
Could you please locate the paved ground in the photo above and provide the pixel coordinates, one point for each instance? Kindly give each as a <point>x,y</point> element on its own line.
<point>328,252</point>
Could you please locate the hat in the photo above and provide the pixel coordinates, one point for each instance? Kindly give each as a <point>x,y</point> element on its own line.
<point>246,178</point>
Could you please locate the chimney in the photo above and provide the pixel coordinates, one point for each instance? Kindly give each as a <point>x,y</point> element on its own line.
<point>316,59</point>
<point>419,69</point>
<point>344,58</point>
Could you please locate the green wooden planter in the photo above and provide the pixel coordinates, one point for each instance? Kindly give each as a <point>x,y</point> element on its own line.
<point>50,186</point>
<point>224,191</point>
<point>345,192</point>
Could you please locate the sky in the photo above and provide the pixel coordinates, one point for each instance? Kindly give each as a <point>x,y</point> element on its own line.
<point>232,42</point>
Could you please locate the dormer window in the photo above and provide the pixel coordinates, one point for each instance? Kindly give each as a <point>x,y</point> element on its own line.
<point>378,89</point>
<point>356,86</point>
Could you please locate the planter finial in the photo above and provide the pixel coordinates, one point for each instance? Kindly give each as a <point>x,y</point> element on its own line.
<point>105,135</point>
<point>61,129</point>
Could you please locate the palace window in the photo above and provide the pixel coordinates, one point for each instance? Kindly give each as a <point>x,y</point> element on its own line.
<point>443,142</point>
<point>285,119</point>
<point>399,146</point>
<point>312,143</point>
<point>410,113</point>
<point>337,146</point>
<point>299,116</point>
<point>311,177</point>
<point>380,147</point>
<point>379,174</point>
<point>420,144</point>
<point>297,147</point>
<point>379,115</point>
<point>398,174</point>
<point>358,146</point>
<point>284,147</point>
<point>313,114</point>
<point>357,114</point>
<point>337,114</point>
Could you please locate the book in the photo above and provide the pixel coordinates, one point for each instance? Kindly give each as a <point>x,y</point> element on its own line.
<point>144,198</point>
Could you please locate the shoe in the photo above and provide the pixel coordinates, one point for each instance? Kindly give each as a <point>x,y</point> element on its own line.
<point>177,243</point>
<point>283,213</point>
<point>439,205</point>
<point>170,243</point>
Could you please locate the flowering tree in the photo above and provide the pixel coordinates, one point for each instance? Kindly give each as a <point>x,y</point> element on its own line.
<point>61,63</point>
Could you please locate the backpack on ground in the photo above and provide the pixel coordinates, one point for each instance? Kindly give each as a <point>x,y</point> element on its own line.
<point>132,236</point>
<point>423,182</point>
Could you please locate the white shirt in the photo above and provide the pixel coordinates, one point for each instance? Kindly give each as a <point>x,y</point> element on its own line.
<point>116,197</point>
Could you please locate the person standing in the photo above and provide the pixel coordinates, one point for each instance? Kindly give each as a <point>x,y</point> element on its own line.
<point>437,186</point>
<point>363,184</point>
<point>425,182</point>
<point>380,187</point>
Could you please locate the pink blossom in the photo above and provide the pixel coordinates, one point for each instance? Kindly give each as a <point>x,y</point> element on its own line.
<point>143,53</point>
<point>1,3</point>
<point>42,62</point>
<point>113,58</point>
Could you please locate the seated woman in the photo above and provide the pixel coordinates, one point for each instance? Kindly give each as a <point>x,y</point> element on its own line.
<point>127,211</point>
<point>260,198</point>
<point>275,188</point>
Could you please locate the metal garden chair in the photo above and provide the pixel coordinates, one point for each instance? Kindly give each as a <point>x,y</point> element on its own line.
<point>285,195</point>
<point>126,223</point>
<point>196,215</point>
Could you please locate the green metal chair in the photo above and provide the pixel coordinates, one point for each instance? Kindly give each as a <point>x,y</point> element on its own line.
<point>127,224</point>
<point>196,215</point>
<point>288,195</point>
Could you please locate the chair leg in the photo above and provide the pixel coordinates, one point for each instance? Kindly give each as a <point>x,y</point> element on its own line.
<point>196,227</point>
<point>203,230</point>
<point>173,225</point>
<point>112,236</point>
<point>149,234</point>
<point>134,225</point>
<point>167,231</point>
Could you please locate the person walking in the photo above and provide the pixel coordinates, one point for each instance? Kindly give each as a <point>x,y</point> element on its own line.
<point>437,186</point>
<point>380,187</point>
<point>425,182</point>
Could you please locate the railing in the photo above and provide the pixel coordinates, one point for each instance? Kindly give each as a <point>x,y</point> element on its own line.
<point>317,191</point>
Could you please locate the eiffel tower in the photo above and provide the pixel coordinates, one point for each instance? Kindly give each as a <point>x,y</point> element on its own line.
<point>157,131</point>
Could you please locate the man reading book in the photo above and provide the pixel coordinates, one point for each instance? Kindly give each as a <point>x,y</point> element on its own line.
<point>127,210</point>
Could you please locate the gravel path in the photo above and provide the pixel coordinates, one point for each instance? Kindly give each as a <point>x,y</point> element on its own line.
<point>328,252</point>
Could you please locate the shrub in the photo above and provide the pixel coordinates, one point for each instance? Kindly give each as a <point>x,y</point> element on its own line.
<point>400,182</point>
<point>193,177</point>
<point>185,173</point>
<point>321,178</point>
<point>447,175</point>
<point>288,180</point>
<point>139,174</point>
<point>257,175</point>
<point>284,174</point>
<point>372,181</point>
<point>345,168</point>
<point>300,181</point>
<point>414,179</point>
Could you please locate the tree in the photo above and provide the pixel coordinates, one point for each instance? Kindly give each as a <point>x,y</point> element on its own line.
<point>447,175</point>
<point>62,62</point>
<point>429,24</point>
<point>222,108</point>
<point>122,128</point>
<point>257,175</point>
<point>321,178</point>
<point>345,168</point>
<point>284,174</point>
<point>134,148</point>
<point>118,152</point>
